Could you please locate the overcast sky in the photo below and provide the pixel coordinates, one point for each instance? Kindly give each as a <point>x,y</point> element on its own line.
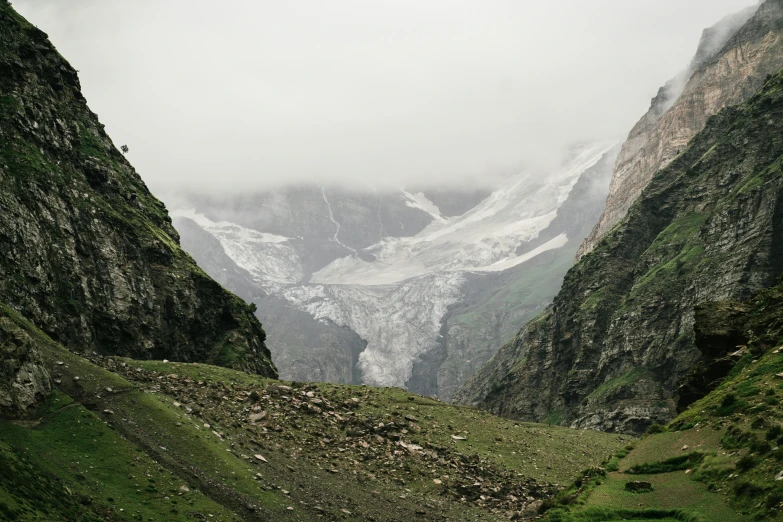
<point>239,94</point>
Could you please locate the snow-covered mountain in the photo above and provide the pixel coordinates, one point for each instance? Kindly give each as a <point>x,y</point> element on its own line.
<point>487,238</point>
<point>398,272</point>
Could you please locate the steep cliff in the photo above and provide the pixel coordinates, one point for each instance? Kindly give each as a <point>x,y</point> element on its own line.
<point>619,338</point>
<point>88,254</point>
<point>731,64</point>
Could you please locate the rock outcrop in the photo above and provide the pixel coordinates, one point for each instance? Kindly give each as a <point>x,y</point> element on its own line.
<point>88,254</point>
<point>24,379</point>
<point>733,61</point>
<point>619,339</point>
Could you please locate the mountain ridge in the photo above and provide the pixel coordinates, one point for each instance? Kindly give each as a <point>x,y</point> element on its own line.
<point>732,62</point>
<point>90,255</point>
<point>617,343</point>
<point>394,292</point>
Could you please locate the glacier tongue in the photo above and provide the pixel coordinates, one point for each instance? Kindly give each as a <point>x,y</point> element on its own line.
<point>399,322</point>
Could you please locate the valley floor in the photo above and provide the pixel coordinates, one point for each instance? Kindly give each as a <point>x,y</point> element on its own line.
<point>121,439</point>
<point>132,440</point>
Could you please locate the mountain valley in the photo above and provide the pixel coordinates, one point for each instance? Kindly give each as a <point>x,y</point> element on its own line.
<point>430,353</point>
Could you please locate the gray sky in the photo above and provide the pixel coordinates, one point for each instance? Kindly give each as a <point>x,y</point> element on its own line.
<point>238,94</point>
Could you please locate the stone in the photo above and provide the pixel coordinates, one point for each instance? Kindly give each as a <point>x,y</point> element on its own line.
<point>255,417</point>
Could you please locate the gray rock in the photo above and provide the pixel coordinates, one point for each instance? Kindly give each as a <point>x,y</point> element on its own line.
<point>24,379</point>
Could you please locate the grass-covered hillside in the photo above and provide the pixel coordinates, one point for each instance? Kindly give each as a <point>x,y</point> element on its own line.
<point>128,440</point>
<point>721,459</point>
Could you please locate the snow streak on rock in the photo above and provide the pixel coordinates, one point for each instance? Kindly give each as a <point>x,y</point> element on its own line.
<point>336,224</point>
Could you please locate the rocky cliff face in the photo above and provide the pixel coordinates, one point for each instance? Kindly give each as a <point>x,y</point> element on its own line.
<point>24,379</point>
<point>88,254</point>
<point>732,62</point>
<point>619,339</point>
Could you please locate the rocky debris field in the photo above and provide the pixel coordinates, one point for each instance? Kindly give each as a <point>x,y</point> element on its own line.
<point>394,445</point>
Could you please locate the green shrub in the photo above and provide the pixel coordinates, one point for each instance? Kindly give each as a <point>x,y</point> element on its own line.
<point>737,438</point>
<point>669,465</point>
<point>746,463</point>
<point>774,498</point>
<point>730,404</point>
<point>748,490</point>
<point>761,447</point>
<point>656,428</point>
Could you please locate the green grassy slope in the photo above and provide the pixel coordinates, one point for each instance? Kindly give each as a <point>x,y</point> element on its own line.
<point>144,440</point>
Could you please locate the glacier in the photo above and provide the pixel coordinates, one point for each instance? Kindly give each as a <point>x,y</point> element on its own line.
<point>395,293</point>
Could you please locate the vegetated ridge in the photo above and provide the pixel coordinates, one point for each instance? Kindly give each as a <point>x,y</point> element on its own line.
<point>718,460</point>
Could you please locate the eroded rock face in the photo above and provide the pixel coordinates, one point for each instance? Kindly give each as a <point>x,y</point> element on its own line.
<point>619,340</point>
<point>24,380</point>
<point>88,254</point>
<point>732,63</point>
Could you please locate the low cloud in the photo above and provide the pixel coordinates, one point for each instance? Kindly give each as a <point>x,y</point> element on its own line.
<point>238,95</point>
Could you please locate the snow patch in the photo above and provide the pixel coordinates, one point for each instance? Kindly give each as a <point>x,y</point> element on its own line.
<point>484,239</point>
<point>420,201</point>
<point>505,264</point>
<point>269,258</point>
